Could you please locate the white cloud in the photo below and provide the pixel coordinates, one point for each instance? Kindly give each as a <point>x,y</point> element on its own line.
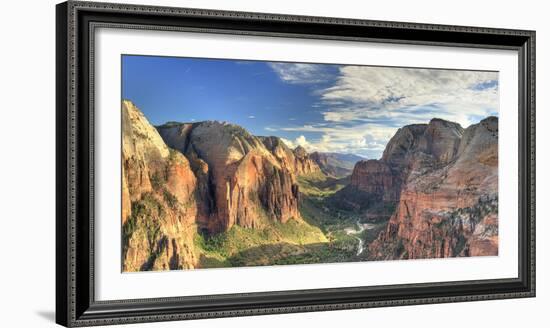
<point>299,141</point>
<point>410,95</point>
<point>251,117</point>
<point>364,139</point>
<point>300,73</point>
<point>290,144</point>
<point>366,105</point>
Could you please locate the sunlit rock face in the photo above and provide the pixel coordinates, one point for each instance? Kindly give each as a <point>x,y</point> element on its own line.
<point>448,202</point>
<point>242,178</point>
<point>181,178</point>
<point>158,203</point>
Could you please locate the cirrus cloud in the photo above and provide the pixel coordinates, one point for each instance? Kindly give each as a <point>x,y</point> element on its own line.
<point>298,73</point>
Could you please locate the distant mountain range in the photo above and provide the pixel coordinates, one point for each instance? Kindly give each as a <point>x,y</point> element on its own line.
<point>336,164</point>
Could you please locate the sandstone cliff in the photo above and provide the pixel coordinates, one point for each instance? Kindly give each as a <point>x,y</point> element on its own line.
<point>298,161</point>
<point>373,191</point>
<point>304,163</point>
<point>184,183</point>
<point>242,178</point>
<point>158,208</point>
<point>375,178</point>
<point>448,198</point>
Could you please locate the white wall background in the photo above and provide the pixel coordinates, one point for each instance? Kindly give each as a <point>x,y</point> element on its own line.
<point>27,179</point>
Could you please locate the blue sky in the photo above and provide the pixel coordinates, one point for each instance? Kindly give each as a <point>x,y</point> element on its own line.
<point>335,108</point>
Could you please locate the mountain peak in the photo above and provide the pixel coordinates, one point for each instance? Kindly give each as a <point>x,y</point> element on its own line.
<point>300,152</point>
<point>437,120</point>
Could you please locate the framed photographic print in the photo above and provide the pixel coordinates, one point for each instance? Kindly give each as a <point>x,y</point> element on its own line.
<point>214,163</point>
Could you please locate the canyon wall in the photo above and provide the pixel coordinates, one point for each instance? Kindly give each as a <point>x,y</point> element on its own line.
<point>448,200</point>
<point>158,201</point>
<point>244,178</point>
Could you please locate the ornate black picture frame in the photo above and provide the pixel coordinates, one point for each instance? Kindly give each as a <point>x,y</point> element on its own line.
<point>75,301</point>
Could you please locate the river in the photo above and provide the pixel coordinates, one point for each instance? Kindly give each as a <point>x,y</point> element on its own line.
<point>360,228</point>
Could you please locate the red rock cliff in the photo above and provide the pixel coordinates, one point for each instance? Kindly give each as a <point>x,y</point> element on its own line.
<point>241,180</point>
<point>448,202</point>
<point>374,177</point>
<point>298,161</point>
<point>158,204</point>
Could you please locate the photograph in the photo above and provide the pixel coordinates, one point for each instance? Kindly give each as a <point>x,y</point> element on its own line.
<point>239,163</point>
